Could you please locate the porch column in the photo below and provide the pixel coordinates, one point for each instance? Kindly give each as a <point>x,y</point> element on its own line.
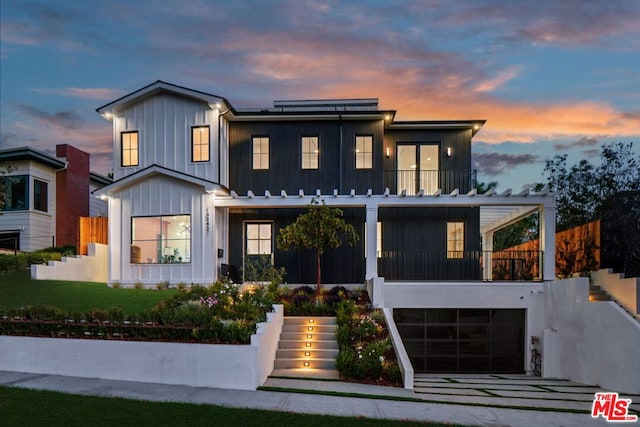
<point>548,242</point>
<point>370,242</point>
<point>487,255</point>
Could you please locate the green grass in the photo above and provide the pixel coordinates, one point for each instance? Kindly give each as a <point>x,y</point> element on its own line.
<point>23,407</point>
<point>17,290</point>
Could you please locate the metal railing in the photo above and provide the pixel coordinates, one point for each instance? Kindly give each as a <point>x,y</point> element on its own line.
<point>430,180</point>
<point>460,265</point>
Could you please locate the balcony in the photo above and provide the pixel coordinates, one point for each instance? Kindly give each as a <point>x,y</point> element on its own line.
<point>462,265</point>
<point>430,180</point>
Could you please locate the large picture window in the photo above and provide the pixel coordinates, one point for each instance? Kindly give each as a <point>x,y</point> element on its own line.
<point>130,148</point>
<point>200,144</point>
<point>455,240</point>
<point>161,239</point>
<point>310,152</point>
<point>364,152</point>
<point>40,195</point>
<point>260,147</point>
<point>16,189</point>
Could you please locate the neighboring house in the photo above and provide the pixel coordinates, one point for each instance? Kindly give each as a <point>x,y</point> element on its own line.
<point>45,195</point>
<point>200,186</point>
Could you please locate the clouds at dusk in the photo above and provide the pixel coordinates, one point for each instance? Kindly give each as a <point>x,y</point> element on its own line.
<point>555,76</point>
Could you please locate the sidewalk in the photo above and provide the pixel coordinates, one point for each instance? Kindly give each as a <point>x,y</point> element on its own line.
<point>292,400</point>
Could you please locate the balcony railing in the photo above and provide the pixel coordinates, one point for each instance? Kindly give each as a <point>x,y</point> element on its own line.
<point>430,180</point>
<point>463,265</point>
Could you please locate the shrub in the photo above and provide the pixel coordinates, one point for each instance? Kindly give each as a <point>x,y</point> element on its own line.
<point>162,285</point>
<point>116,285</point>
<point>304,290</point>
<point>138,285</point>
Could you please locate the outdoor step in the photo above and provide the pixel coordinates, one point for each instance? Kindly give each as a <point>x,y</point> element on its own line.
<point>310,328</point>
<point>316,374</point>
<point>304,320</point>
<point>312,363</point>
<point>599,297</point>
<point>289,353</point>
<point>307,336</point>
<point>315,344</point>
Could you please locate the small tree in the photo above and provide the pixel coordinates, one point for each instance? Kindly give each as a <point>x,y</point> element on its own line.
<point>5,168</point>
<point>321,228</point>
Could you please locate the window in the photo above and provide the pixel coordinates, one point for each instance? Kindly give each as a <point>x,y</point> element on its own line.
<point>260,152</point>
<point>130,148</point>
<point>259,238</point>
<point>161,239</point>
<point>310,152</point>
<point>40,195</point>
<point>455,240</point>
<point>16,189</point>
<point>364,152</point>
<point>200,144</point>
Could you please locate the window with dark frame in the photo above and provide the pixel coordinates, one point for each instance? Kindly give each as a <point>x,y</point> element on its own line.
<point>16,189</point>
<point>200,144</point>
<point>130,154</point>
<point>310,152</point>
<point>364,152</point>
<point>40,195</point>
<point>260,152</point>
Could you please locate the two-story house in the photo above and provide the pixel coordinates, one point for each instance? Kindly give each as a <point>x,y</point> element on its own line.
<point>201,185</point>
<point>45,195</point>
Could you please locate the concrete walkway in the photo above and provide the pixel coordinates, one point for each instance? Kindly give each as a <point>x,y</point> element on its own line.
<point>376,403</point>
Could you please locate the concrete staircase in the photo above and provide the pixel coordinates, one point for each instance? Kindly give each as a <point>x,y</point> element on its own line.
<point>307,349</point>
<point>596,293</point>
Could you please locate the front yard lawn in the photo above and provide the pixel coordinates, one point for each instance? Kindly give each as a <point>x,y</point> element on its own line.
<point>17,290</point>
<point>36,408</point>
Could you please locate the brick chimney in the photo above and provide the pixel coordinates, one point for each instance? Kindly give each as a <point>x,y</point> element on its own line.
<point>72,193</point>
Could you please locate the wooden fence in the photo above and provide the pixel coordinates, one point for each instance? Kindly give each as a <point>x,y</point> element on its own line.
<point>577,250</point>
<point>92,230</point>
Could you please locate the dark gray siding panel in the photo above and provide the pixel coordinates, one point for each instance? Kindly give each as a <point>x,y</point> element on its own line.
<point>414,244</point>
<point>285,173</point>
<point>342,265</point>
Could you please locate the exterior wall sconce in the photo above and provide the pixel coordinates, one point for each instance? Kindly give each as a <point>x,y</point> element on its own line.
<point>449,151</point>
<point>388,152</point>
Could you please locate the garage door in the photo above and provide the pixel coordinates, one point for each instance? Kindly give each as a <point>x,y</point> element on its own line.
<point>463,340</point>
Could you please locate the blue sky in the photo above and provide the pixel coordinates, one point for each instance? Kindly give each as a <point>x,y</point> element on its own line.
<point>550,77</point>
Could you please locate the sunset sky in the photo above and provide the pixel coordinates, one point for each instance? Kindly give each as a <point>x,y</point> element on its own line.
<point>550,77</point>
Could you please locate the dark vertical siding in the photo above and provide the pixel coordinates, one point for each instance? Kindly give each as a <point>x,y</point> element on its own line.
<point>459,140</point>
<point>336,168</point>
<point>414,243</point>
<point>345,264</point>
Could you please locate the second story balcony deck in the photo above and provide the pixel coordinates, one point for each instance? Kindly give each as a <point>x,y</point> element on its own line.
<point>430,181</point>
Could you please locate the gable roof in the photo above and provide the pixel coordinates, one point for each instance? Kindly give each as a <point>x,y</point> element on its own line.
<point>109,110</point>
<point>153,170</point>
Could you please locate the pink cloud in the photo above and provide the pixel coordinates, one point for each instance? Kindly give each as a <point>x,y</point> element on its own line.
<point>86,93</point>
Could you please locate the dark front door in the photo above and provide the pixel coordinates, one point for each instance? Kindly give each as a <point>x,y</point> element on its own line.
<point>463,340</point>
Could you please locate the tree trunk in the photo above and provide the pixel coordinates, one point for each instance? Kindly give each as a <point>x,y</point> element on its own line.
<point>318,276</point>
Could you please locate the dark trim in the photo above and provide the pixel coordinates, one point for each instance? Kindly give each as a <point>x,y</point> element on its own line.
<point>45,197</point>
<point>122,149</point>
<point>208,143</point>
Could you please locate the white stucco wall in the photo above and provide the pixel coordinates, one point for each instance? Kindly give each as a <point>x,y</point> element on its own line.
<point>625,291</point>
<point>589,342</point>
<point>401,353</point>
<point>243,367</point>
<point>85,268</point>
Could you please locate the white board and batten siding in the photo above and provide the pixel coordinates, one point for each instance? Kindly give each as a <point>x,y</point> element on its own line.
<point>164,123</point>
<point>159,195</point>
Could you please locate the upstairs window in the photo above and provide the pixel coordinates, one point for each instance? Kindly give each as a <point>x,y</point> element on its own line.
<point>130,148</point>
<point>455,240</point>
<point>40,195</point>
<point>310,152</point>
<point>200,144</point>
<point>260,147</point>
<point>364,152</point>
<point>16,188</point>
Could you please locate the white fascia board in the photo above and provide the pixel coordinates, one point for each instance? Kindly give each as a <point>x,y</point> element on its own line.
<point>108,190</point>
